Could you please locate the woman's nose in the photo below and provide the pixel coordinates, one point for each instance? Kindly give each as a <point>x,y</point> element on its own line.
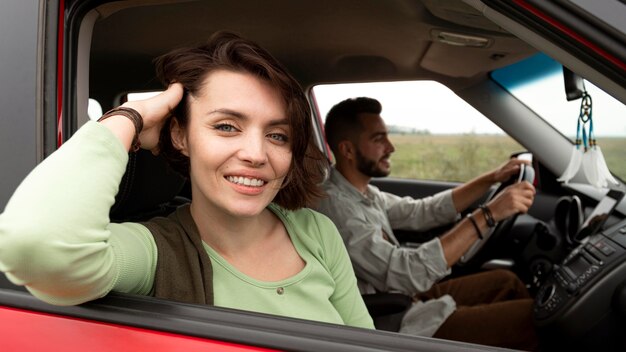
<point>253,150</point>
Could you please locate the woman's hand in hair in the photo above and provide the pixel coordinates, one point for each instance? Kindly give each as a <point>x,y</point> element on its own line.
<point>154,112</point>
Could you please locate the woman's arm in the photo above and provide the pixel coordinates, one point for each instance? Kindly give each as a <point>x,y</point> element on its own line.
<point>346,297</point>
<point>55,236</point>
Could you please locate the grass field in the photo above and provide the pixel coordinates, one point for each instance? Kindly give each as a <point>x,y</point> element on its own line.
<point>462,157</point>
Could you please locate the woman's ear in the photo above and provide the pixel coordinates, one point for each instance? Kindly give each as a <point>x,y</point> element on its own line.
<point>179,137</point>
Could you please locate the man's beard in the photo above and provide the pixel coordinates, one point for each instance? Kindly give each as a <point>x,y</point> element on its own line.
<point>370,167</point>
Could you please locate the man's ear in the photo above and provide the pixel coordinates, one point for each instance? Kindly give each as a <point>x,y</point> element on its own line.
<point>347,150</point>
<point>179,137</point>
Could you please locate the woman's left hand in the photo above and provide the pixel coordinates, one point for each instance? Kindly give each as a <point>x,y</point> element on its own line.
<point>154,112</point>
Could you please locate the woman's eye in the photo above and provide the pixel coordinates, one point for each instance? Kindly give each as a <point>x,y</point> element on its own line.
<point>279,137</point>
<point>224,127</point>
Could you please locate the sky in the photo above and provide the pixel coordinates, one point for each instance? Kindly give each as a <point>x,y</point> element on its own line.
<point>423,105</point>
<point>428,105</point>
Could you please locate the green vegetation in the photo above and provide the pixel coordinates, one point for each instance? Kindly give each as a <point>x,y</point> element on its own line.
<point>614,151</point>
<point>462,157</point>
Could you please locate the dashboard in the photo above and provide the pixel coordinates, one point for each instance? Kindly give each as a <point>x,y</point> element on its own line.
<point>577,262</point>
<point>583,300</point>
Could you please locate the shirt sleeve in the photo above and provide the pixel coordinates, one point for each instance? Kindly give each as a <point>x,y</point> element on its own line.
<point>346,297</point>
<point>380,263</point>
<point>55,234</point>
<point>419,214</point>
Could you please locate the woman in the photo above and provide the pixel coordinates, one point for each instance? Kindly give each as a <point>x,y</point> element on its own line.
<point>240,130</point>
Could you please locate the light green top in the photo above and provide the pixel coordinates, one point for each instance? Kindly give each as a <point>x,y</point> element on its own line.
<point>56,239</point>
<point>324,290</point>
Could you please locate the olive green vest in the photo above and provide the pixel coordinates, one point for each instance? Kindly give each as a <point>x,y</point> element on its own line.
<point>183,272</point>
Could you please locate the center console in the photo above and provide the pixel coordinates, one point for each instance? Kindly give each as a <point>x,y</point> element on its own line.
<point>585,296</point>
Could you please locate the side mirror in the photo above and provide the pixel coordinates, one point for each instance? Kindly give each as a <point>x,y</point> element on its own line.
<point>574,85</point>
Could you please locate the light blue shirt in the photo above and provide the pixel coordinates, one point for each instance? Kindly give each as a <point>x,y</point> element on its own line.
<point>364,220</point>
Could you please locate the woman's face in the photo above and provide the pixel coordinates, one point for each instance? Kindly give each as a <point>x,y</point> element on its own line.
<point>238,142</point>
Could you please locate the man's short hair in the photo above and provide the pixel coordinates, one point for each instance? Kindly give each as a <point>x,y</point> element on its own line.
<point>343,122</point>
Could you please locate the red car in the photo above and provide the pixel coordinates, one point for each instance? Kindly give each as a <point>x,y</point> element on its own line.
<point>58,54</point>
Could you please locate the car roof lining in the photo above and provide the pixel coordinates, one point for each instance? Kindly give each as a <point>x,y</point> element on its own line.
<point>321,42</point>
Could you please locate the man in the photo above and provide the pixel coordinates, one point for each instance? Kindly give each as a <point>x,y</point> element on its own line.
<point>490,308</point>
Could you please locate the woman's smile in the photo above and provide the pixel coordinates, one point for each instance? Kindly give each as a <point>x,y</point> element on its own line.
<point>249,186</point>
<point>246,181</point>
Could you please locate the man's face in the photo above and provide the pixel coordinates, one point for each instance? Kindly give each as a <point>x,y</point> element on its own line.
<point>373,147</point>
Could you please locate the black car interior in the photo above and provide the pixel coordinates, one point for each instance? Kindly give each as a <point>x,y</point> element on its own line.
<point>148,188</point>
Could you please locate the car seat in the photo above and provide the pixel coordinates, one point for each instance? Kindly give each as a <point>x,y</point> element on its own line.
<point>387,309</point>
<point>148,188</point>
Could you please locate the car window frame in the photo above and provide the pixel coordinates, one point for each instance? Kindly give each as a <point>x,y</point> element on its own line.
<point>118,308</point>
<point>225,324</point>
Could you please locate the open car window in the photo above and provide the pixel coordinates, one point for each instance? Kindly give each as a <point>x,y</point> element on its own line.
<point>436,134</point>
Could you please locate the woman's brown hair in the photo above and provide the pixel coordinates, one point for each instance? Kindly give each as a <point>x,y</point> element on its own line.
<point>228,51</point>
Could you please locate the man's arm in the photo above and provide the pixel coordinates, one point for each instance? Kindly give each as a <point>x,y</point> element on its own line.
<point>514,199</point>
<point>421,214</point>
<point>377,261</point>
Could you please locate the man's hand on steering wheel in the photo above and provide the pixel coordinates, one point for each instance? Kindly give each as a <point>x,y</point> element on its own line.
<point>514,199</point>
<point>514,196</point>
<point>508,170</point>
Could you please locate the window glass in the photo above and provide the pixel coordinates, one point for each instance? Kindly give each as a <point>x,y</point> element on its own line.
<point>141,95</point>
<point>437,135</point>
<point>94,109</point>
<point>538,83</point>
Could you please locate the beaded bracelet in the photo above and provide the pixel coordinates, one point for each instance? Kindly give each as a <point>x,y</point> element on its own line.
<point>131,114</point>
<point>470,216</point>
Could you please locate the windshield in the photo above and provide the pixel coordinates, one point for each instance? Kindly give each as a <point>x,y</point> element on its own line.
<point>538,83</point>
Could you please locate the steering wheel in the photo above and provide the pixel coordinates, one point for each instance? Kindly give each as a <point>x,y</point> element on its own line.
<point>526,173</point>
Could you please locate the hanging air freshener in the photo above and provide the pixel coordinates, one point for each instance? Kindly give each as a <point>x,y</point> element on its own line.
<point>586,153</point>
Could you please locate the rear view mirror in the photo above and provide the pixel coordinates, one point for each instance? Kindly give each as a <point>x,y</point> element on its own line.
<point>574,85</point>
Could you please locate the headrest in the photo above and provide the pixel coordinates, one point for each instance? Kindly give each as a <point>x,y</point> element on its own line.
<point>148,188</point>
